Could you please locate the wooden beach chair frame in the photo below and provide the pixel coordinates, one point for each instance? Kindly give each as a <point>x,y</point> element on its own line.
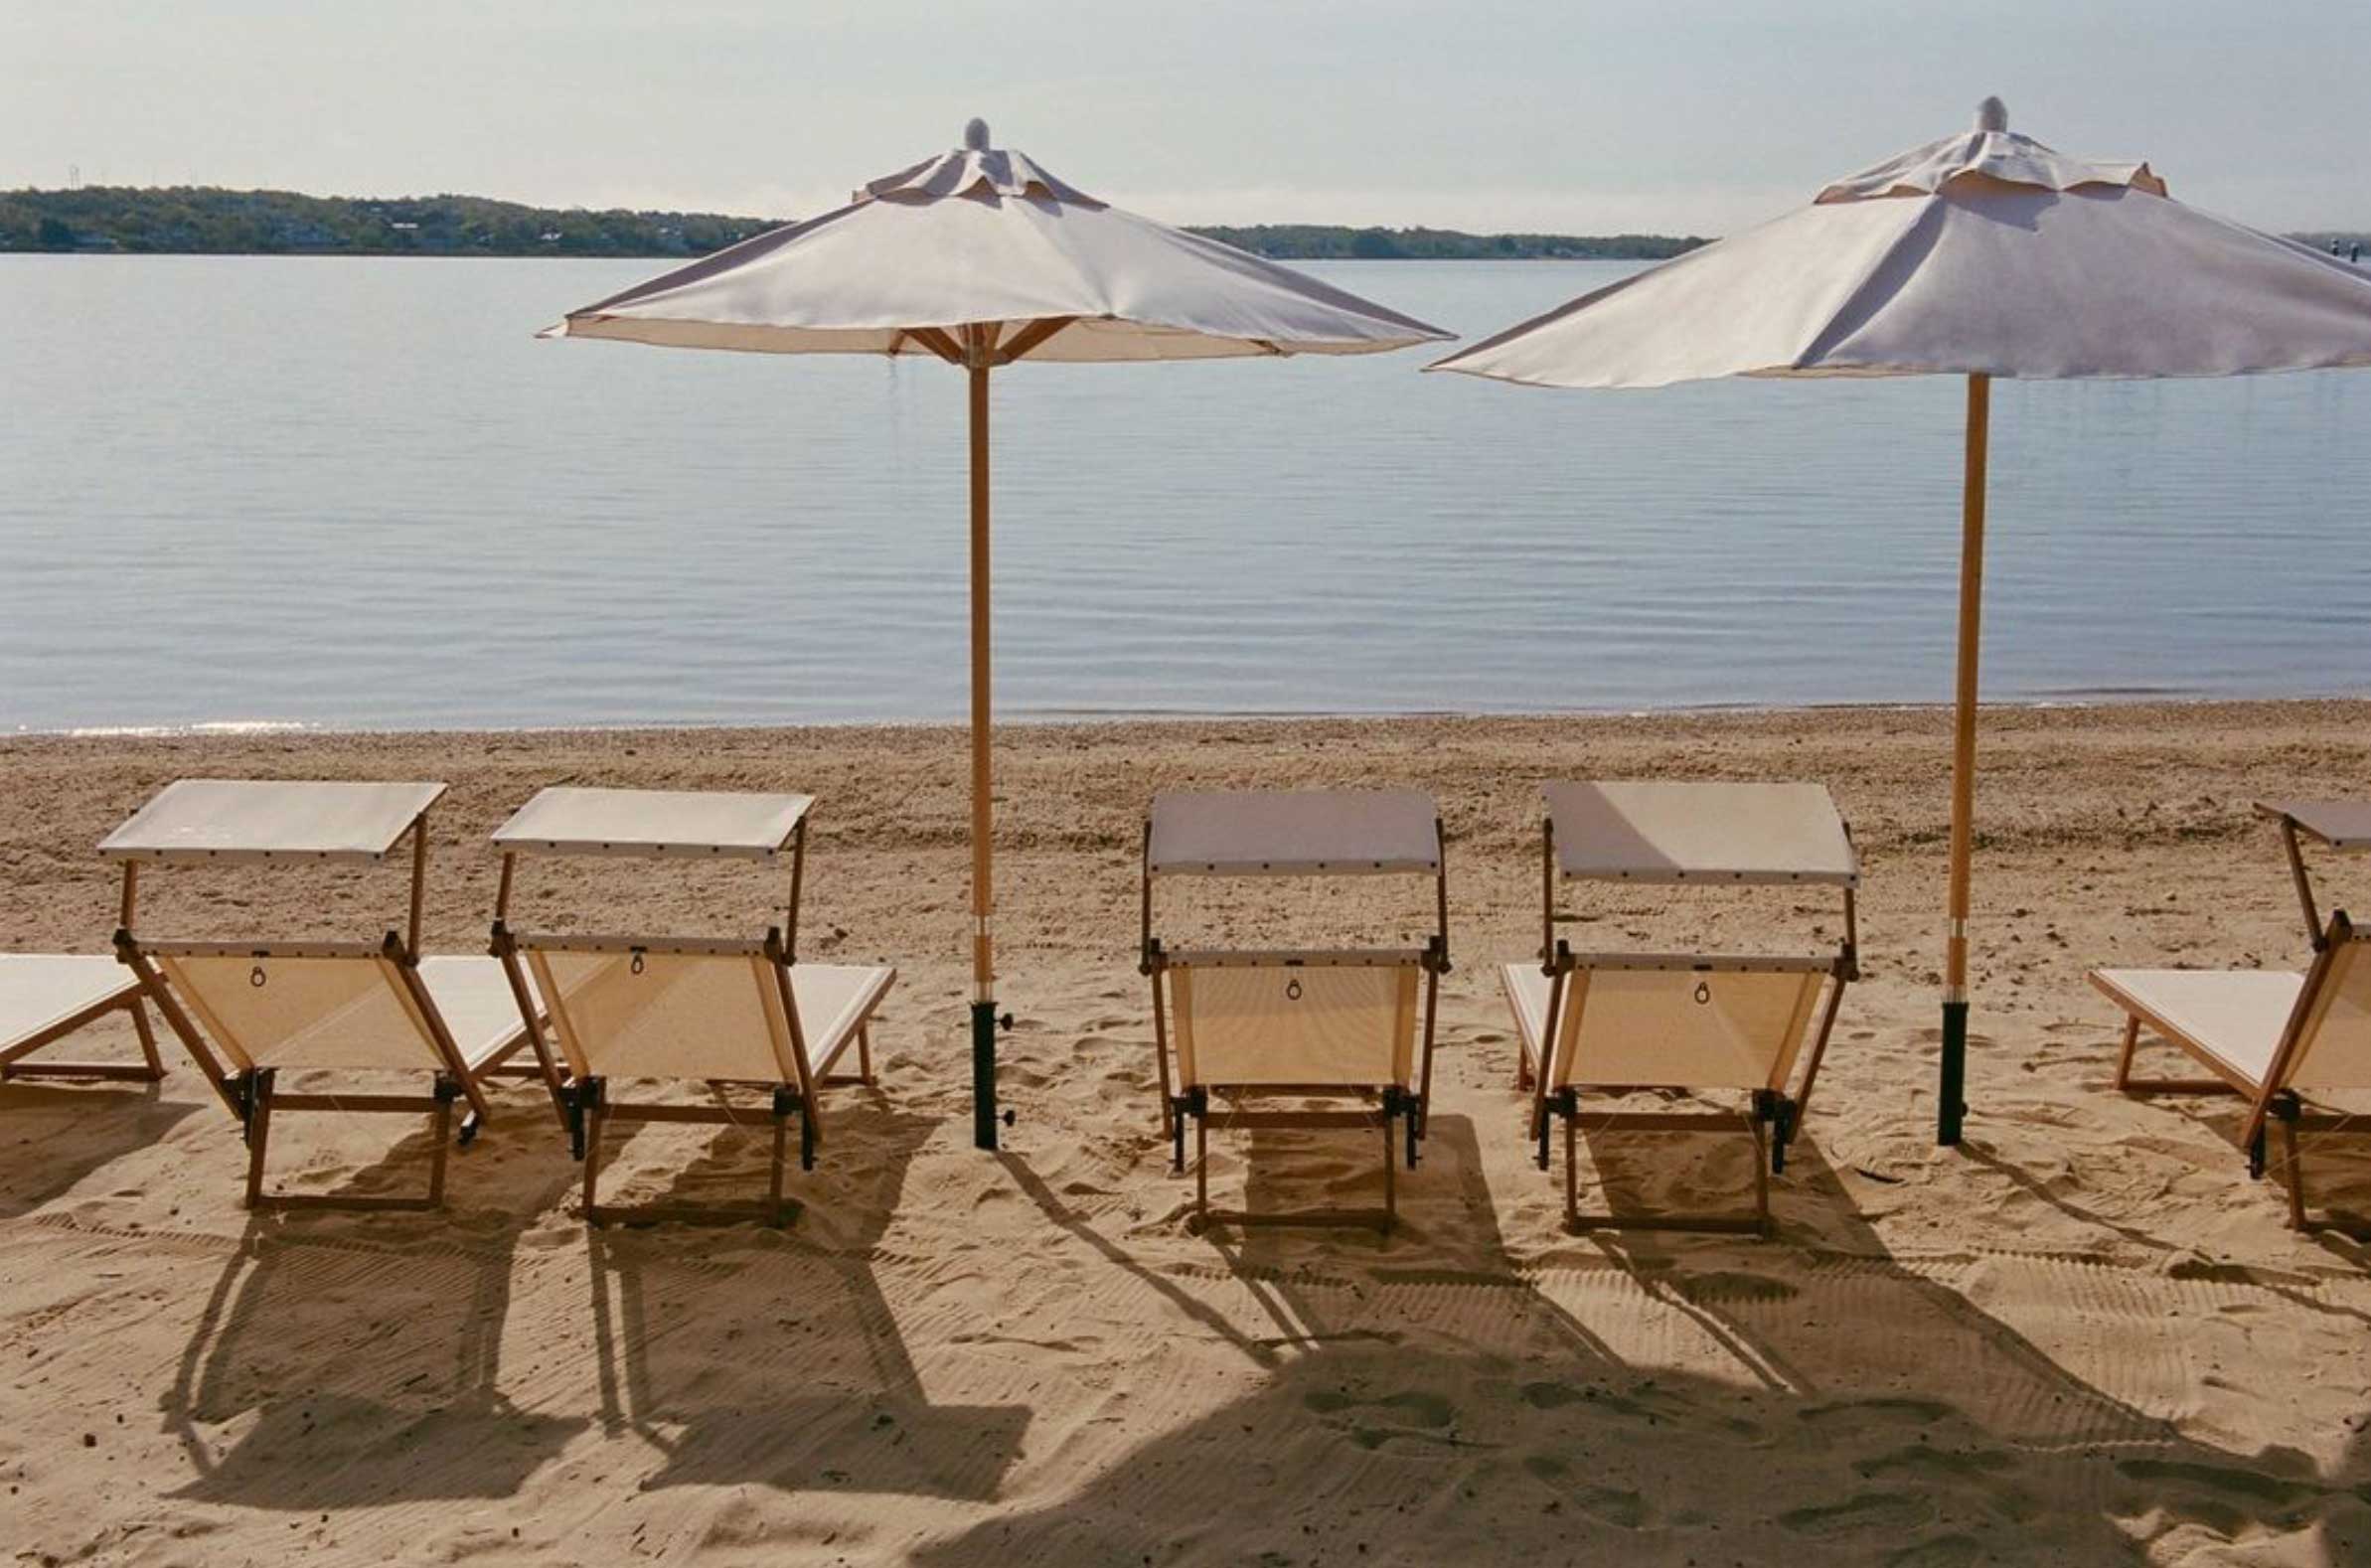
<point>1627,820</point>
<point>85,1006</point>
<point>176,827</point>
<point>2272,1096</point>
<point>1770,1116</point>
<point>600,823</point>
<point>1281,838</point>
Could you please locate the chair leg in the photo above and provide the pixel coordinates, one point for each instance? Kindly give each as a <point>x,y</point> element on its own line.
<point>147,1033</point>
<point>555,1084</point>
<point>440,1132</point>
<point>865,1053</point>
<point>2131,1042</point>
<point>1170,1126</point>
<point>256,1092</point>
<point>1390,1186</point>
<point>1572,1178</point>
<point>1761,1177</point>
<point>1202,1170</point>
<point>2295,1175</point>
<point>773,1190</point>
<point>591,1089</point>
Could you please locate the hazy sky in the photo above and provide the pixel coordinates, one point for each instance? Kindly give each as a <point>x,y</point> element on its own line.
<point>1590,116</point>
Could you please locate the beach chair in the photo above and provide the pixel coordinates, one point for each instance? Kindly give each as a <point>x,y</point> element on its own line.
<point>2270,1036</point>
<point>1245,1025</point>
<point>735,1015</point>
<point>247,1010</point>
<point>1615,1023</point>
<point>45,997</point>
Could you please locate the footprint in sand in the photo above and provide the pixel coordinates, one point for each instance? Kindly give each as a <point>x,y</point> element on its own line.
<point>1920,1412</point>
<point>1880,1512</point>
<point>1551,1396</point>
<point>1411,1414</point>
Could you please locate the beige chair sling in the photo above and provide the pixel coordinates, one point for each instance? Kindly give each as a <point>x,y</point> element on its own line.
<point>249,1009</point>
<point>2272,1037</point>
<point>45,997</point>
<point>737,1016</point>
<point>1336,1025</point>
<point>1702,1024</point>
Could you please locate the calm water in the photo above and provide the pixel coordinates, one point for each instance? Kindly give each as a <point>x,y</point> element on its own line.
<point>356,493</point>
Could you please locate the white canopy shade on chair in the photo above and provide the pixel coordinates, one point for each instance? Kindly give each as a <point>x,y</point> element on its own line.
<point>981,259</point>
<point>1981,254</point>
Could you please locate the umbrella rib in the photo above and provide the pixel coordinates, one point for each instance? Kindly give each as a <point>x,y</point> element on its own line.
<point>1030,336</point>
<point>937,342</point>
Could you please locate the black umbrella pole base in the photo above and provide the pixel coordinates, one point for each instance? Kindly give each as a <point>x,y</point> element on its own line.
<point>984,1075</point>
<point>1951,1094</point>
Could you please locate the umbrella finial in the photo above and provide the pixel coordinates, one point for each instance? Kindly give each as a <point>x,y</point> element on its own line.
<point>975,134</point>
<point>1990,115</point>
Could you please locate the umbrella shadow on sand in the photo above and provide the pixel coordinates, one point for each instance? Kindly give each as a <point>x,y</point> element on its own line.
<point>777,1361</point>
<point>57,1137</point>
<point>368,1359</point>
<point>1440,1397</point>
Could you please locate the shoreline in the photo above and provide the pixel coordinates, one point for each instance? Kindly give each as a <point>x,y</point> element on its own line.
<point>265,729</point>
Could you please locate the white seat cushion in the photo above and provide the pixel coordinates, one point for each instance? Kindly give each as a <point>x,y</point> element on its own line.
<point>38,990</point>
<point>2232,1018</point>
<point>1528,996</point>
<point>474,997</point>
<point>835,1000</point>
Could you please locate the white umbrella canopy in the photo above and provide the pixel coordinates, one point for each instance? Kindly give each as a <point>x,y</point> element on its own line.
<point>983,258</point>
<point>985,237</point>
<point>1981,254</point>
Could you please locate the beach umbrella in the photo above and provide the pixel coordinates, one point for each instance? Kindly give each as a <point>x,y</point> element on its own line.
<point>981,259</point>
<point>1981,254</point>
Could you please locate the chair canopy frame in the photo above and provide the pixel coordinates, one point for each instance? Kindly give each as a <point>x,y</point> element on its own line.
<point>674,824</point>
<point>214,822</point>
<point>222,822</point>
<point>1294,833</point>
<point>1686,834</point>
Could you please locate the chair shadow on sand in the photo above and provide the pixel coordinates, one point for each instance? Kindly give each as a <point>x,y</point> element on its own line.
<point>370,1354</point>
<point>1438,1394</point>
<point>746,1357</point>
<point>57,1137</point>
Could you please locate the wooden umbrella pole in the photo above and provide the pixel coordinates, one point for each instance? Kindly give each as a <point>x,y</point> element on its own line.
<point>1951,1091</point>
<point>984,1020</point>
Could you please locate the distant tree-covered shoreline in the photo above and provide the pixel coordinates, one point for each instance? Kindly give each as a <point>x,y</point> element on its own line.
<point>203,220</point>
<point>206,220</point>
<point>1335,242</point>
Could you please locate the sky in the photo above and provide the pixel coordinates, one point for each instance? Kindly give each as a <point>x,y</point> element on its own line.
<point>1594,116</point>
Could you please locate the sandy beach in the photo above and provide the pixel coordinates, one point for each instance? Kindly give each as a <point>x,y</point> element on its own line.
<point>2083,1336</point>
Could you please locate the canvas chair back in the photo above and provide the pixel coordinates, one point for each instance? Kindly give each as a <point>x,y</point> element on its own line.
<point>1731,1024</point>
<point>703,1010</point>
<point>342,1006</point>
<point>2329,1043</point>
<point>1319,1021</point>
